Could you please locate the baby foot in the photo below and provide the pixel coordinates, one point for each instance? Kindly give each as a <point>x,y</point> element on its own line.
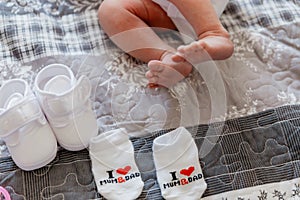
<point>208,48</point>
<point>167,72</point>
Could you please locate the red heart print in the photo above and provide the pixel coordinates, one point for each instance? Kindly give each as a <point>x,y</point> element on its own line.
<point>124,170</point>
<point>188,171</point>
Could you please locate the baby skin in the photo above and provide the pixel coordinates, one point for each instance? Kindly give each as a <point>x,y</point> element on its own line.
<point>173,67</point>
<point>167,66</point>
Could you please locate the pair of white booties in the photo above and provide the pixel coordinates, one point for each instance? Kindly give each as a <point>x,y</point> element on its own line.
<point>59,111</point>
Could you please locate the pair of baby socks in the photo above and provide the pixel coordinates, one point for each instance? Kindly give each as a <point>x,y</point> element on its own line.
<point>176,160</point>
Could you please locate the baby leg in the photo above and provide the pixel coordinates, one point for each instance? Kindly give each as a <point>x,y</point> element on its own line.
<point>129,24</point>
<point>213,40</point>
<point>208,48</point>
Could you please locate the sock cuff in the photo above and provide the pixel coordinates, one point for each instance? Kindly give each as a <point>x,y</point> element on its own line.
<point>175,137</point>
<point>109,139</point>
<point>172,144</point>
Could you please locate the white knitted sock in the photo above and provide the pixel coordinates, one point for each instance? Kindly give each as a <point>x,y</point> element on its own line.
<point>113,166</point>
<point>177,166</point>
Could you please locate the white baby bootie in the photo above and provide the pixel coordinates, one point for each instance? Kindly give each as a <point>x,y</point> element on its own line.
<point>65,102</point>
<point>24,128</point>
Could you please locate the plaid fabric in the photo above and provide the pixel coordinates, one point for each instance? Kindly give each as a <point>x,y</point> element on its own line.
<point>28,37</point>
<point>41,28</point>
<point>258,14</point>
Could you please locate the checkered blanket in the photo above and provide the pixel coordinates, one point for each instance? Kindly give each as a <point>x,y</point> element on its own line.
<point>256,152</point>
<point>33,29</point>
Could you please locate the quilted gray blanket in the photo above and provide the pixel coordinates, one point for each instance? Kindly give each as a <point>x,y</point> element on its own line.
<point>243,113</point>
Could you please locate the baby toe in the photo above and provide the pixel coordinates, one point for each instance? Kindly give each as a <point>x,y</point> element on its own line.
<point>149,74</point>
<point>155,65</point>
